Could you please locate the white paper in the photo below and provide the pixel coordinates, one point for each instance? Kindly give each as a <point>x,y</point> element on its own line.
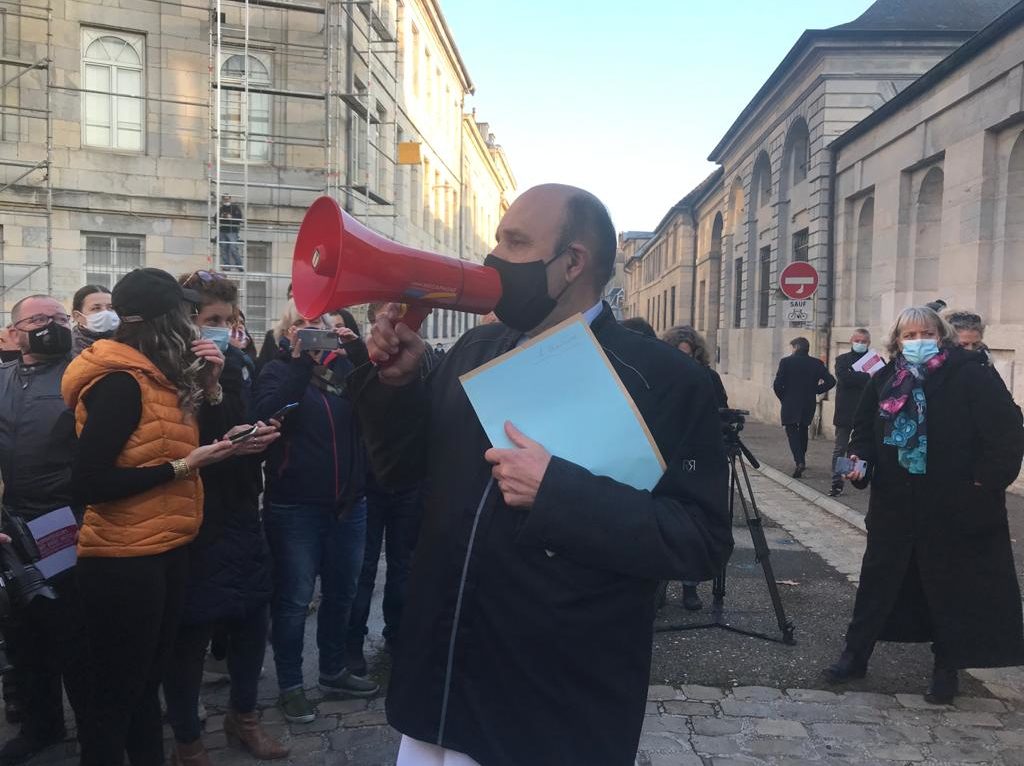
<point>870,363</point>
<point>56,536</point>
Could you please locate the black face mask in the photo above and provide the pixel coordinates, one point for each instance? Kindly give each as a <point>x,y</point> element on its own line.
<point>50,340</point>
<point>524,302</point>
<point>9,356</point>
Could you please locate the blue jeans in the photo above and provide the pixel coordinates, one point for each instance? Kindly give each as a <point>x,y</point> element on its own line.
<point>230,252</point>
<point>307,541</point>
<point>393,519</point>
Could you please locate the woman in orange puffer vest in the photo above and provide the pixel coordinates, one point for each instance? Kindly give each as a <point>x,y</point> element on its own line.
<point>135,400</point>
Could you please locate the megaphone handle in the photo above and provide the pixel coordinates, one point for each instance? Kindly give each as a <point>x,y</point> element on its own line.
<point>413,317</point>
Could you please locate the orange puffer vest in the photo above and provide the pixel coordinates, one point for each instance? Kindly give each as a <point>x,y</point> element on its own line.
<point>162,518</point>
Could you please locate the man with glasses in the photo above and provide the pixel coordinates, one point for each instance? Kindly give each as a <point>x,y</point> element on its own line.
<point>37,443</point>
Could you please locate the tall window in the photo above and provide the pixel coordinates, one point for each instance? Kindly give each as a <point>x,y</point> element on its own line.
<point>108,257</point>
<point>737,297</point>
<point>701,305</point>
<point>800,240</point>
<point>258,315</point>
<point>672,310</point>
<point>236,121</point>
<point>765,287</point>
<point>664,310</point>
<point>415,61</point>
<point>113,104</point>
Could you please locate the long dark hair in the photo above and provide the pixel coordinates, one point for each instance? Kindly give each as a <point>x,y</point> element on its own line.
<point>167,342</point>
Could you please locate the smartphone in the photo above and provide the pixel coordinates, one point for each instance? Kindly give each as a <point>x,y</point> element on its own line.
<point>279,415</point>
<point>243,435</point>
<point>845,465</point>
<point>317,340</point>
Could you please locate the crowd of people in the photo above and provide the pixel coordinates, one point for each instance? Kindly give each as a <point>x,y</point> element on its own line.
<point>213,487</point>
<point>211,492</point>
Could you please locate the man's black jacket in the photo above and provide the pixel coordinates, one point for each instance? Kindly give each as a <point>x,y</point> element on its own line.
<point>850,386</point>
<point>799,380</point>
<point>526,637</point>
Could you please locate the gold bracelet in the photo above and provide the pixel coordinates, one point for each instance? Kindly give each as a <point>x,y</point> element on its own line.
<point>217,397</point>
<point>181,469</point>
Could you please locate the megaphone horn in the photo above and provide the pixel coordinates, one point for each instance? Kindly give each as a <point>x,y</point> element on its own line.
<point>338,262</point>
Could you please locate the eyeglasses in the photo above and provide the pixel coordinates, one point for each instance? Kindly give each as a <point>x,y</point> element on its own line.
<point>202,275</point>
<point>36,321</point>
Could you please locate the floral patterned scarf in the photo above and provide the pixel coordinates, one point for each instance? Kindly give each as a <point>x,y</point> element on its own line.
<point>904,410</point>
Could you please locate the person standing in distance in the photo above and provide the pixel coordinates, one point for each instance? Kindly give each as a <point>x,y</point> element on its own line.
<point>849,387</point>
<point>526,637</point>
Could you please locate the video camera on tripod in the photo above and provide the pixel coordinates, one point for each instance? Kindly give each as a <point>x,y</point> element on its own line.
<point>740,487</point>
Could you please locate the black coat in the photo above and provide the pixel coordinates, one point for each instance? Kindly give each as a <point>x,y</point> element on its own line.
<point>229,562</point>
<point>939,565</point>
<point>721,397</point>
<point>551,640</point>
<point>849,387</point>
<point>800,379</point>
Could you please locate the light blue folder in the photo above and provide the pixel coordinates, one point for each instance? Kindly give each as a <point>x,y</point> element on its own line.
<point>561,391</point>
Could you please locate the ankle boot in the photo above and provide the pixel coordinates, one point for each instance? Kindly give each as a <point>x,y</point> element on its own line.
<point>850,665</point>
<point>944,687</point>
<point>192,754</point>
<point>243,731</point>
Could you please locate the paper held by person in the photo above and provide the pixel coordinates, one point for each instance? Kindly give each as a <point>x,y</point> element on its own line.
<point>561,391</point>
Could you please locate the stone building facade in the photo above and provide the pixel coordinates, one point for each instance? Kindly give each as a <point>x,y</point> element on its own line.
<point>873,157</point>
<point>129,120</point>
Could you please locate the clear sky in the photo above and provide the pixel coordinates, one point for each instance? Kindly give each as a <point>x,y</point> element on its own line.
<point>625,99</point>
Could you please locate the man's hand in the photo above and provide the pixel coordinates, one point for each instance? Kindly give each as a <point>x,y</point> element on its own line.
<point>520,470</point>
<point>393,343</point>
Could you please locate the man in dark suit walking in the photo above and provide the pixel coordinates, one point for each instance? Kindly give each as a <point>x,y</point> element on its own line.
<point>799,381</point>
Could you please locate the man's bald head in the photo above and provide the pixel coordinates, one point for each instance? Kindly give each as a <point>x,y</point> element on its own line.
<point>585,220</point>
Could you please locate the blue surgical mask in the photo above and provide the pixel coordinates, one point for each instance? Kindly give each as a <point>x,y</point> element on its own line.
<point>920,351</point>
<point>860,348</point>
<point>221,336</point>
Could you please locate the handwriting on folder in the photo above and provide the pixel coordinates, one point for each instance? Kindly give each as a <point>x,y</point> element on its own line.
<point>561,391</point>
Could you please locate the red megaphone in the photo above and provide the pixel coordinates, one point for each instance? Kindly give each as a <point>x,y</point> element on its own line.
<point>338,262</point>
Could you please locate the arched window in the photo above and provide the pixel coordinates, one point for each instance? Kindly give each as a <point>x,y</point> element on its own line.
<point>928,234</point>
<point>1013,257</point>
<point>113,104</point>
<point>797,154</point>
<point>865,236</point>
<point>238,122</point>
<point>761,181</point>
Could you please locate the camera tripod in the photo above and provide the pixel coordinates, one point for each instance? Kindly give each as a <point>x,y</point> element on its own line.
<point>739,487</point>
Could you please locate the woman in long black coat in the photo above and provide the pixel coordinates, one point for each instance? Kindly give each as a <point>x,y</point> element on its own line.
<point>942,439</point>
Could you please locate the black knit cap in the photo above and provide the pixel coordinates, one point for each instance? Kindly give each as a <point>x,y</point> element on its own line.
<point>148,293</point>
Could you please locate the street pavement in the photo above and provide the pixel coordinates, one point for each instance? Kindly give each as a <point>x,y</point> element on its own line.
<point>717,697</point>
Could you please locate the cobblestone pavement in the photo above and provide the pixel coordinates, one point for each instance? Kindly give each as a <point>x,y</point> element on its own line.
<point>717,724</point>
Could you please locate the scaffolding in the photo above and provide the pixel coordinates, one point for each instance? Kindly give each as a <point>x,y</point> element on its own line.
<point>358,51</point>
<point>26,185</point>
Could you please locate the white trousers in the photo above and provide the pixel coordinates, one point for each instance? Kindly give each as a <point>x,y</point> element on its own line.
<point>412,752</point>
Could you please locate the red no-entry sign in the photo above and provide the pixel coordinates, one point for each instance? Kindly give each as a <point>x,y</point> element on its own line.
<point>798,280</point>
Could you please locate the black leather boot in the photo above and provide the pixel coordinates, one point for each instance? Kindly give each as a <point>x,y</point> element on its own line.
<point>944,687</point>
<point>850,665</point>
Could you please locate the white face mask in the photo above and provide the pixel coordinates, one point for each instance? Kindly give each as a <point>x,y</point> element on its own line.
<point>860,348</point>
<point>102,321</point>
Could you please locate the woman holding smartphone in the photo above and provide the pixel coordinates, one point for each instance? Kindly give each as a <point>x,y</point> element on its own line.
<point>136,400</point>
<point>942,440</point>
<point>315,510</point>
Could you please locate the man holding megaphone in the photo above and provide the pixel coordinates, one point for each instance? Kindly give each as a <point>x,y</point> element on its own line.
<point>526,637</point>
